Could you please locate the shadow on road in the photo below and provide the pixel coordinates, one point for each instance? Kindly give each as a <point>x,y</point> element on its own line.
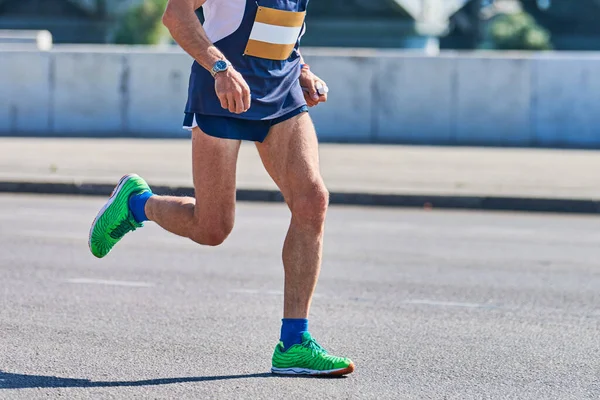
<point>21,381</point>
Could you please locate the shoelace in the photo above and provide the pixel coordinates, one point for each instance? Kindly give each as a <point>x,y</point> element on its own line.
<point>120,230</point>
<point>314,347</point>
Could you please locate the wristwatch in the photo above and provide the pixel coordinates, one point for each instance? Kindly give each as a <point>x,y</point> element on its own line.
<point>220,66</point>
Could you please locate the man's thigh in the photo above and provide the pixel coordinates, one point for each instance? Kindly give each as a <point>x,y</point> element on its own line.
<point>290,154</point>
<point>214,171</point>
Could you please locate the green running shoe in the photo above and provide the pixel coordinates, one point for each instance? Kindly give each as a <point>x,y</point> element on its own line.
<point>115,219</point>
<point>309,358</point>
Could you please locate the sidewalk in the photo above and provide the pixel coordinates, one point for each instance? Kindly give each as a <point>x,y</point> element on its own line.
<point>481,178</point>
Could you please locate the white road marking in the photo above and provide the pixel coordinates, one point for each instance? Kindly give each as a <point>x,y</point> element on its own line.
<point>263,292</point>
<point>48,235</point>
<point>449,304</point>
<point>110,282</point>
<point>255,291</point>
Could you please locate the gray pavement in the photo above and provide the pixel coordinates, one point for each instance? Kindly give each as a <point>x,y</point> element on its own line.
<point>396,171</point>
<point>430,305</point>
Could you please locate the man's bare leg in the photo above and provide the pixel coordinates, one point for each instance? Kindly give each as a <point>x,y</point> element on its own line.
<point>208,219</point>
<point>290,155</point>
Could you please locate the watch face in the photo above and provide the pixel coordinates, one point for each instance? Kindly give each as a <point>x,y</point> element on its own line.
<point>220,66</point>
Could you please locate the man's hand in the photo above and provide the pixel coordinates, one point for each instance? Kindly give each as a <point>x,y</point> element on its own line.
<point>311,84</point>
<point>233,91</point>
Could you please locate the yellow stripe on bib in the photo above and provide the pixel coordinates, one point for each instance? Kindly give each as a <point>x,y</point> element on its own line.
<point>271,16</point>
<point>269,51</point>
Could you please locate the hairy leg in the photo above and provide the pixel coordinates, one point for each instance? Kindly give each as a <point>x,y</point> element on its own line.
<point>290,155</point>
<point>208,219</point>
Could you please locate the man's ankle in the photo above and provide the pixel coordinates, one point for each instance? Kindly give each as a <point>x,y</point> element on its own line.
<point>292,330</point>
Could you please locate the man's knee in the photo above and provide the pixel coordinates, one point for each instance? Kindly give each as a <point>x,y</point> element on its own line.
<point>213,234</point>
<point>310,207</point>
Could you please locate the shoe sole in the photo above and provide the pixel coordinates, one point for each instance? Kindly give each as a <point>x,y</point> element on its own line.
<point>311,372</point>
<point>111,199</point>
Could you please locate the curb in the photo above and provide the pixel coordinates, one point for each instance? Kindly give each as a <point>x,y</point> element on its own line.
<point>487,203</point>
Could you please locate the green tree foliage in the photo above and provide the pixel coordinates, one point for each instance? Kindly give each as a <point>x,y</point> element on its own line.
<point>517,32</point>
<point>142,24</point>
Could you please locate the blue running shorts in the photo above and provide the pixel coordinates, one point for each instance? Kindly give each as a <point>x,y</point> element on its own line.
<point>236,128</point>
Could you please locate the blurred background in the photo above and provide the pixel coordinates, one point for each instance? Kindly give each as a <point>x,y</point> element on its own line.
<point>447,24</point>
<point>458,72</point>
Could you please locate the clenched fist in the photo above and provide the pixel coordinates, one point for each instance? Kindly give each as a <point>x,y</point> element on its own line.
<point>233,91</point>
<point>315,90</point>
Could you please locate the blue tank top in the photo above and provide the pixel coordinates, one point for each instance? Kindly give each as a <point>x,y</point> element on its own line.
<point>271,69</point>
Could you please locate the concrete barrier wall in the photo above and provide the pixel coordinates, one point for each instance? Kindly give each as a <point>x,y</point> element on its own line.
<point>25,92</point>
<point>531,99</point>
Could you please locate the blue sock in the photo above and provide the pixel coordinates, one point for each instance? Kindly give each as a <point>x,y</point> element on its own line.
<point>137,205</point>
<point>292,330</point>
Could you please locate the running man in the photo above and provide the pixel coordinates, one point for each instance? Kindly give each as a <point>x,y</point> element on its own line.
<point>248,82</point>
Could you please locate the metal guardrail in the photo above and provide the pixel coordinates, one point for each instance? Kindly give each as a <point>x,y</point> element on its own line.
<point>24,39</point>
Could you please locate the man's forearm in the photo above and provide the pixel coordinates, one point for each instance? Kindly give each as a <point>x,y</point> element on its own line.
<point>183,24</point>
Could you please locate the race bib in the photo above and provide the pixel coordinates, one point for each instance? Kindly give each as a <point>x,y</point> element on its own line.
<point>275,33</point>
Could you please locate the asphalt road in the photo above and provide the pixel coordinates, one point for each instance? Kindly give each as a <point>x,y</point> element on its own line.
<point>429,305</point>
